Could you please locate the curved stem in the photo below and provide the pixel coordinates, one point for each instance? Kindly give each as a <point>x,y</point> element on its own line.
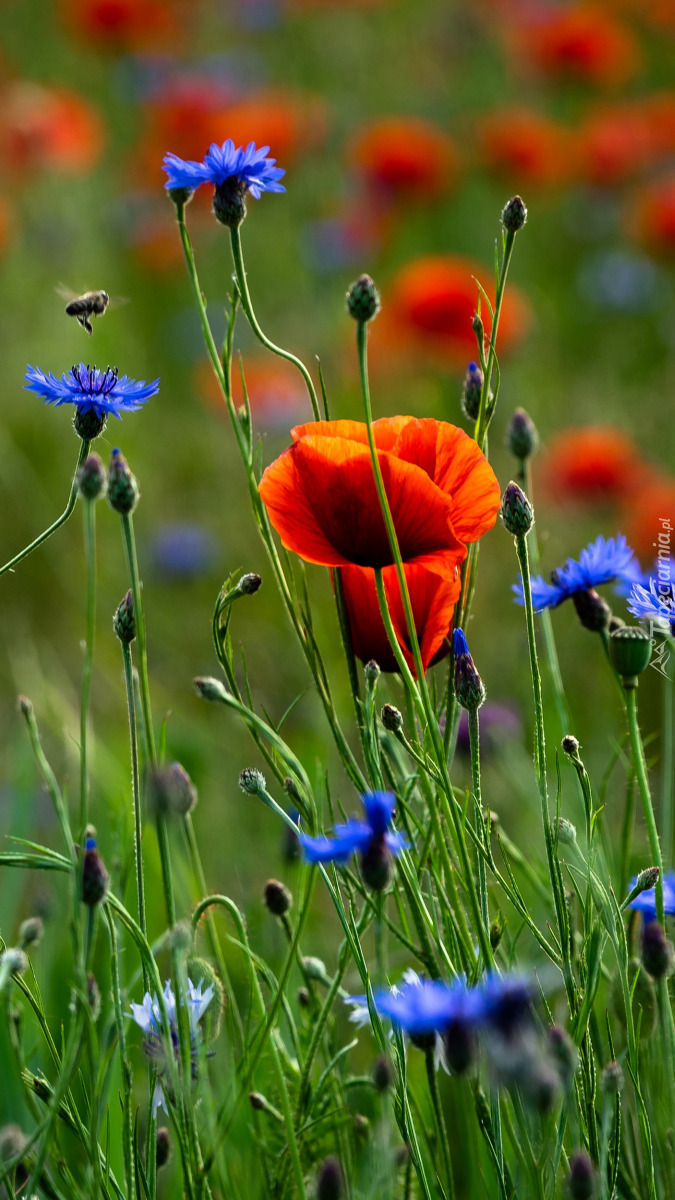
<point>247,306</point>
<point>84,450</point>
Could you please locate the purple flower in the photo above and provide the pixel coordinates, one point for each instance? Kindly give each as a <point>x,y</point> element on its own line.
<point>249,167</point>
<point>601,561</point>
<point>91,390</point>
<point>182,550</point>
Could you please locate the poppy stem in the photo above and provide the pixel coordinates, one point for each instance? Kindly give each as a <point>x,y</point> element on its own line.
<point>84,450</point>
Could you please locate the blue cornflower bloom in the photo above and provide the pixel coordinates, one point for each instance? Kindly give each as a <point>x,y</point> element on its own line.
<point>91,390</point>
<point>371,839</point>
<point>428,1010</point>
<point>645,902</point>
<point>655,602</point>
<point>250,168</point>
<point>600,562</point>
<point>148,1016</point>
<point>507,1002</point>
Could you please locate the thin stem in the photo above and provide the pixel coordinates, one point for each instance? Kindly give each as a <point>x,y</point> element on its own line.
<point>487,408</point>
<point>482,826</point>
<point>136,788</point>
<point>668,756</point>
<point>247,306</point>
<point>84,450</point>
<point>139,618</point>
<point>440,1122</point>
<point>89,512</point>
<point>645,795</point>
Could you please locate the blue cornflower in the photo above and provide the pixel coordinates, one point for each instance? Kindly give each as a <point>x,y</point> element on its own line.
<point>429,1009</point>
<point>600,562</point>
<point>91,390</point>
<point>237,170</point>
<point>148,1016</point>
<point>371,839</point>
<point>507,1002</point>
<point>645,902</point>
<point>656,602</point>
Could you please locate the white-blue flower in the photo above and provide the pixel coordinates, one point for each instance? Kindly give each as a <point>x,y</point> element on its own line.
<point>148,1017</point>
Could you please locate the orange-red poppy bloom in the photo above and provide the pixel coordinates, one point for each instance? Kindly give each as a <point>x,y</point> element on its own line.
<point>45,128</point>
<point>616,143</point>
<point>652,215</point>
<point>322,500</point>
<point>429,306</point>
<point>580,41</point>
<point>122,24</point>
<point>650,511</point>
<point>595,464</point>
<point>526,146</point>
<point>404,158</point>
<point>275,390</point>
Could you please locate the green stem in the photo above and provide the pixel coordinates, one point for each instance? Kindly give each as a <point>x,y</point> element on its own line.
<point>89,511</point>
<point>136,789</point>
<point>668,756</point>
<point>84,450</point>
<point>247,306</point>
<point>139,619</point>
<point>486,409</point>
<point>440,1121</point>
<point>482,824</point>
<point>643,787</point>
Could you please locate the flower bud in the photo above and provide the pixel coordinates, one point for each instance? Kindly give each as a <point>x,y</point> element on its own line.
<point>252,781</point>
<point>647,879</point>
<point>658,957</point>
<point>180,196</point>
<point>469,689</point>
<point>593,612</point>
<point>375,864</point>
<point>91,477</point>
<point>516,512</point>
<point>13,1142</point>
<point>88,424</point>
<point>250,583</point>
<point>615,623</point>
<point>630,650</point>
<point>14,962</point>
<point>514,214</point>
<point>496,932</point>
<point>570,745</point>
<point>315,969</point>
<point>278,899</point>
<point>30,932</point>
<point>162,1143</point>
<point>257,1101</point>
<point>304,998</point>
<point>122,486</point>
<point>382,1074</point>
<point>471,391</point>
<point>372,672</point>
<point>171,791</point>
<point>522,438</point>
<point>392,718</point>
<point>229,202</point>
<point>612,1079</point>
<point>478,328</point>
<point>581,1181</point>
<point>459,1047</point>
<point>567,834</point>
<point>124,622</point>
<point>210,689</point>
<point>363,299</point>
<point>329,1184</point>
<point>95,878</point>
<point>563,1052</point>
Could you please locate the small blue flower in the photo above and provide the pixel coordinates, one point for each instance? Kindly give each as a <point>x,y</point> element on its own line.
<point>656,602</point>
<point>91,390</point>
<point>148,1016</point>
<point>459,643</point>
<point>249,167</point>
<point>600,562</point>
<point>645,902</point>
<point>429,1006</point>
<point>357,837</point>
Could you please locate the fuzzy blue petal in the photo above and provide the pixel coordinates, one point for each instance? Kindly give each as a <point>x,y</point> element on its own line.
<point>250,166</point>
<point>460,645</point>
<point>645,902</point>
<point>90,389</point>
<point>379,808</point>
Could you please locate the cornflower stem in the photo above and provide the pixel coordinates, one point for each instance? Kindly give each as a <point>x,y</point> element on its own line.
<point>246,304</point>
<point>419,691</point>
<point>127,1074</point>
<point>486,409</point>
<point>668,756</point>
<point>139,618</point>
<point>440,1121</point>
<point>89,513</point>
<point>640,767</point>
<point>136,791</point>
<point>482,827</point>
<point>84,450</point>
<point>222,375</point>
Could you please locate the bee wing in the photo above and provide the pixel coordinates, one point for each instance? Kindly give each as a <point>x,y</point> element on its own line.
<point>66,293</point>
<point>116,301</point>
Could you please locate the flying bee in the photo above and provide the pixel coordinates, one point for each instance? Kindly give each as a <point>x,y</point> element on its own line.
<point>89,304</point>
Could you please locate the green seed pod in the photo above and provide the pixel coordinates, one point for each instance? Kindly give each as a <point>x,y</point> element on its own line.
<point>516,512</point>
<point>630,650</point>
<point>514,214</point>
<point>522,438</point>
<point>229,202</point>
<point>122,486</point>
<point>91,477</point>
<point>88,424</point>
<point>363,299</point>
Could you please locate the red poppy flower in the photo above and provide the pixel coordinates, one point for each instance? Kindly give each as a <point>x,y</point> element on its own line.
<point>44,128</point>
<point>404,158</point>
<point>582,41</point>
<point>650,511</point>
<point>276,393</point>
<point>527,146</point>
<point>597,464</point>
<point>122,24</point>
<point>433,604</point>
<point>429,306</point>
<point>616,143</point>
<point>322,500</point>
<point>652,214</point>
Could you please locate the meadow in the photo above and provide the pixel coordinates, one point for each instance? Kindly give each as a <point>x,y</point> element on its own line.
<point>338,773</point>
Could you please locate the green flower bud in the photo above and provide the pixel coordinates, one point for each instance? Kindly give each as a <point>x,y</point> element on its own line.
<point>30,932</point>
<point>89,424</point>
<point>516,512</point>
<point>363,299</point>
<point>229,202</point>
<point>162,1137</point>
<point>124,623</point>
<point>210,689</point>
<point>514,215</point>
<point>392,718</point>
<point>122,486</point>
<point>278,899</point>
<point>567,834</point>
<point>522,438</point>
<point>252,781</point>
<point>630,650</point>
<point>91,477</point>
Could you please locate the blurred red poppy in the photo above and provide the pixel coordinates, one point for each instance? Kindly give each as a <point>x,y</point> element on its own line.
<point>275,390</point>
<point>580,41</point>
<point>595,464</point>
<point>122,24</point>
<point>428,308</point>
<point>652,215</point>
<point>45,128</point>
<point>526,146</point>
<point>616,143</point>
<point>404,158</point>
<point>321,498</point>
<point>650,511</point>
